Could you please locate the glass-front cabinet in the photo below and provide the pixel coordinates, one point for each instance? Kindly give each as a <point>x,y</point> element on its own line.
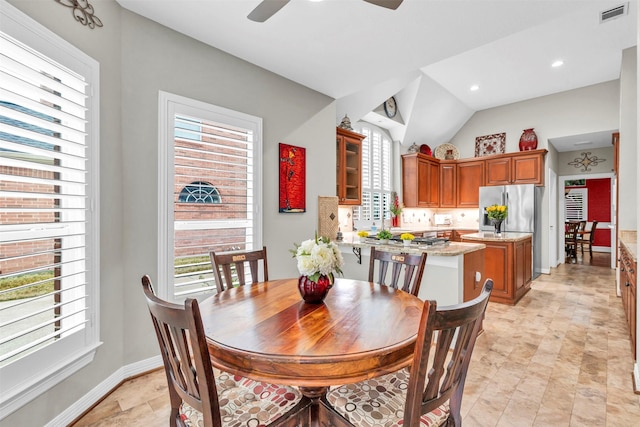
<point>349,167</point>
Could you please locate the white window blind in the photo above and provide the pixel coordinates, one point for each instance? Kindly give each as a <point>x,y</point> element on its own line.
<point>376,176</point>
<point>208,144</point>
<point>48,230</point>
<point>575,204</point>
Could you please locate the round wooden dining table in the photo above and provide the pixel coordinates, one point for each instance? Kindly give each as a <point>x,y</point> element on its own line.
<point>266,332</point>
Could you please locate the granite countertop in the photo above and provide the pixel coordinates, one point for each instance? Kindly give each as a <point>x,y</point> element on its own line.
<point>629,239</point>
<point>451,249</point>
<point>491,236</point>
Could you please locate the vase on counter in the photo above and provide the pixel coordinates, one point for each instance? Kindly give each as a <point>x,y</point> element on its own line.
<point>407,242</point>
<point>528,140</point>
<point>314,292</point>
<point>497,225</point>
<point>395,221</point>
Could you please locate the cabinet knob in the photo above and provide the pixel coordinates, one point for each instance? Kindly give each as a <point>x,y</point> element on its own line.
<point>627,284</point>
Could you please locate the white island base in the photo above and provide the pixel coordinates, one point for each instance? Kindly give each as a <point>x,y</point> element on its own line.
<point>448,279</point>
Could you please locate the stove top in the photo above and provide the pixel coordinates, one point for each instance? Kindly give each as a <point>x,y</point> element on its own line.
<point>429,241</point>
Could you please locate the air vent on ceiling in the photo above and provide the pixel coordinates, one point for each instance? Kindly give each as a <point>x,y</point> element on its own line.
<point>609,14</point>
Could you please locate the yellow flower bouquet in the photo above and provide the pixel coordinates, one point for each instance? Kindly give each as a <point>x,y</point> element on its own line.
<point>496,212</point>
<point>363,233</point>
<point>407,236</point>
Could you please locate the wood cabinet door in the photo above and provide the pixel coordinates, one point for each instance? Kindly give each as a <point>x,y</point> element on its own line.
<point>498,171</point>
<point>447,185</point>
<point>432,184</point>
<point>527,169</point>
<point>470,177</point>
<point>349,167</point>
<point>498,267</point>
<point>519,258</point>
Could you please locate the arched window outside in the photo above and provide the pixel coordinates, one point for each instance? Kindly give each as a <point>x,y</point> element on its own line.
<point>200,192</point>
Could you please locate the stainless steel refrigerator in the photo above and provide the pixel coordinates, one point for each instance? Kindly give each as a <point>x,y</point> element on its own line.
<point>523,204</point>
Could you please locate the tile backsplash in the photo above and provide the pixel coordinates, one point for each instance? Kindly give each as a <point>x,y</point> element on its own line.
<point>414,218</point>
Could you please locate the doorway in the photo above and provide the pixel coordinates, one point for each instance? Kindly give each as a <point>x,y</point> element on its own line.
<point>609,223</point>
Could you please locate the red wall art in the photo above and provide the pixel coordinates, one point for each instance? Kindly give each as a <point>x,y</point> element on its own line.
<point>292,197</point>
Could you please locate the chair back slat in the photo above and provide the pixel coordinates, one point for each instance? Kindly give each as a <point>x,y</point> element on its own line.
<point>450,334</point>
<point>185,356</point>
<point>225,264</point>
<point>410,265</point>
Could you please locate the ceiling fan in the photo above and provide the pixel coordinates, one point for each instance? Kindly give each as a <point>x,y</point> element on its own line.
<point>267,8</point>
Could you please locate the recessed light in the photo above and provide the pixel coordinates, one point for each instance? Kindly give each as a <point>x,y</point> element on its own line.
<point>474,88</point>
<point>557,63</point>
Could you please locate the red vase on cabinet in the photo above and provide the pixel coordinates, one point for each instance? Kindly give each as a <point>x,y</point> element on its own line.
<point>528,140</point>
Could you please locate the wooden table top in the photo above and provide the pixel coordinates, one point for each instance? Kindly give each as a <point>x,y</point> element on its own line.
<point>266,332</point>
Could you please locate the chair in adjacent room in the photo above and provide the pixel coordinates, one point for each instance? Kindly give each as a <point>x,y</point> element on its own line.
<point>231,266</point>
<point>571,240</point>
<point>587,238</point>
<point>412,274</point>
<point>200,395</point>
<point>430,392</point>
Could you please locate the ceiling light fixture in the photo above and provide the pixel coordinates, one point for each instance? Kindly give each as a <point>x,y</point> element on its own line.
<point>474,88</point>
<point>557,63</point>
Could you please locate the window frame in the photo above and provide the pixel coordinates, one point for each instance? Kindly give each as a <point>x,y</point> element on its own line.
<point>28,377</point>
<point>170,104</point>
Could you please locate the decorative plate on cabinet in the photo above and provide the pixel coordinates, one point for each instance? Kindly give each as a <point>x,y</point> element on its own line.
<point>425,149</point>
<point>446,152</point>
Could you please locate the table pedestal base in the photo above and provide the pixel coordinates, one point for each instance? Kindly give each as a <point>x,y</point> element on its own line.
<point>313,411</point>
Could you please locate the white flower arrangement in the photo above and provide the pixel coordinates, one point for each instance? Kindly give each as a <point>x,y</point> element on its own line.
<point>318,257</point>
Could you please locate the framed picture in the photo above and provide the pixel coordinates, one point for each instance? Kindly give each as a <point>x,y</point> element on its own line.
<point>292,185</point>
<point>490,144</point>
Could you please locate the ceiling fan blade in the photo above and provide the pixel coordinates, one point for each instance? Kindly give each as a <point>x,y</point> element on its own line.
<point>389,4</point>
<point>266,9</point>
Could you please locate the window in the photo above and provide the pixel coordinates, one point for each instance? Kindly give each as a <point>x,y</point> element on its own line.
<point>203,144</point>
<point>199,192</point>
<point>575,204</point>
<point>376,177</point>
<point>49,244</point>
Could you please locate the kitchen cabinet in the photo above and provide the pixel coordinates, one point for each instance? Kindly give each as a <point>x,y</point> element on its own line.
<point>525,167</point>
<point>448,194</point>
<point>508,261</point>
<point>420,181</point>
<point>456,235</point>
<point>628,288</point>
<point>349,167</point>
<point>470,177</point>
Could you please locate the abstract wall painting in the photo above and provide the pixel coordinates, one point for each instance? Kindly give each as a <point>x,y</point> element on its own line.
<point>292,185</point>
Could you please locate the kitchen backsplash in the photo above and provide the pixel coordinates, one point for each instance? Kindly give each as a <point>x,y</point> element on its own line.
<point>415,218</point>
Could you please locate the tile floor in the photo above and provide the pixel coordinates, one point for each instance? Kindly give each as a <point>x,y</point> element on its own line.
<point>560,357</point>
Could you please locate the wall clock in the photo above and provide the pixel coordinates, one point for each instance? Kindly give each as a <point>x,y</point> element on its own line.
<point>390,107</point>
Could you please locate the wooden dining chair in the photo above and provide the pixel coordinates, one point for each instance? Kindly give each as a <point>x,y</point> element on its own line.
<point>200,395</point>
<point>587,238</point>
<point>232,266</point>
<point>413,269</point>
<point>571,240</point>
<point>430,392</point>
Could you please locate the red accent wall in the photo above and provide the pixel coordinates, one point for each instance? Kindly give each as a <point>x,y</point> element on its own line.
<point>600,209</point>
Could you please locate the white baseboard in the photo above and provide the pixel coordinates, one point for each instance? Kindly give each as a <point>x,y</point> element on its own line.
<point>102,389</point>
<point>636,378</point>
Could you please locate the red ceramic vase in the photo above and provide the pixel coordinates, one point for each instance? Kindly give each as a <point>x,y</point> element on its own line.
<point>528,140</point>
<point>395,221</point>
<point>314,292</point>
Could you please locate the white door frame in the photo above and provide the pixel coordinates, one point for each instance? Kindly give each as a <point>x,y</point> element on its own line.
<point>553,219</point>
<point>560,211</point>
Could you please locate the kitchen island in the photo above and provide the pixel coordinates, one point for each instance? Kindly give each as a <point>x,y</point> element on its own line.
<point>454,271</point>
<point>508,260</point>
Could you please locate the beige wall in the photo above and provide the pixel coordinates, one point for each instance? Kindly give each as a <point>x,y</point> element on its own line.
<point>137,59</point>
<point>568,161</point>
<point>628,164</point>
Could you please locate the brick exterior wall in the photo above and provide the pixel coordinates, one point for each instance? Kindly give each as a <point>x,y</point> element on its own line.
<point>8,250</point>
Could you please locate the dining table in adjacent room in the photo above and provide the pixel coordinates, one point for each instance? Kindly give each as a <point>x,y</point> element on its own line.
<point>266,332</point>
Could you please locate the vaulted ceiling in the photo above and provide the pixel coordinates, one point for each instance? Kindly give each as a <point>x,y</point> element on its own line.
<point>427,53</point>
